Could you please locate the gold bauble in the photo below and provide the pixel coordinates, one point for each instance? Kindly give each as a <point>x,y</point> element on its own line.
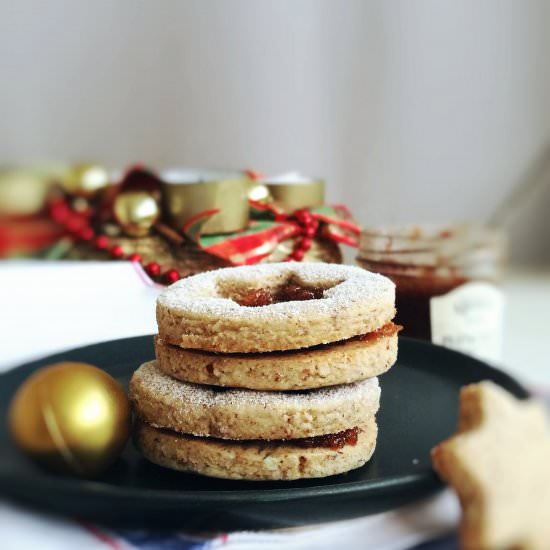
<point>85,179</point>
<point>71,417</point>
<point>24,190</point>
<point>136,212</point>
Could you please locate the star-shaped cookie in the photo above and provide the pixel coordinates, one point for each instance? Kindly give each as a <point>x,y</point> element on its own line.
<point>498,463</point>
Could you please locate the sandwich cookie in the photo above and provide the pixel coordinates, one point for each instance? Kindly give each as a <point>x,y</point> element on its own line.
<point>344,362</point>
<point>256,460</point>
<point>274,307</point>
<point>239,414</point>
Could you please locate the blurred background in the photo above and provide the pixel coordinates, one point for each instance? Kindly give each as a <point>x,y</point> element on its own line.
<point>432,110</point>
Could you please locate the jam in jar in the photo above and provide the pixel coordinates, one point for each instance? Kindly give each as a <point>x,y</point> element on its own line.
<point>426,262</point>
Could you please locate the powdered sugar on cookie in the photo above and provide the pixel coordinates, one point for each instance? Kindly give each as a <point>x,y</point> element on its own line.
<point>202,295</point>
<point>207,396</point>
<point>202,312</point>
<point>247,414</point>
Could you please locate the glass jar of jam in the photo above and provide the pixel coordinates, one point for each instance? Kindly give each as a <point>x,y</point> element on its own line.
<point>446,282</point>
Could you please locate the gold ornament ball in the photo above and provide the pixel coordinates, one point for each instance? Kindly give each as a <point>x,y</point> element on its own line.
<point>136,212</point>
<point>85,179</point>
<point>71,417</point>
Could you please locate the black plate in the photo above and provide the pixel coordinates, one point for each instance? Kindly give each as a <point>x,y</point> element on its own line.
<point>418,409</point>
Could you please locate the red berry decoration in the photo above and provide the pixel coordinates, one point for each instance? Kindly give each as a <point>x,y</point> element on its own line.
<point>86,233</point>
<point>304,217</point>
<point>75,223</point>
<point>101,242</point>
<point>134,258</point>
<point>305,244</point>
<point>309,231</point>
<point>152,269</point>
<point>171,276</point>
<point>116,251</point>
<point>298,255</point>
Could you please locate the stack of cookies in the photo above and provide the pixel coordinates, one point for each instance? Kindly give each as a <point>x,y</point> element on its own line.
<point>267,372</point>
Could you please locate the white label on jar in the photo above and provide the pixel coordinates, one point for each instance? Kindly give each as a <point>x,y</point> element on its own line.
<point>469,319</point>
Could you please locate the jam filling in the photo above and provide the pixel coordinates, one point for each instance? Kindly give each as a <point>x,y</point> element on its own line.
<point>332,441</point>
<point>389,329</point>
<point>290,292</point>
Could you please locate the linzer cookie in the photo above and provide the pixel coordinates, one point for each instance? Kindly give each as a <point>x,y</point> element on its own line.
<point>267,372</point>
<point>344,362</point>
<point>246,414</point>
<point>258,460</point>
<point>274,307</point>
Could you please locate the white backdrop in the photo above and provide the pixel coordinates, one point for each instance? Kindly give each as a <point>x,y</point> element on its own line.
<point>413,111</point>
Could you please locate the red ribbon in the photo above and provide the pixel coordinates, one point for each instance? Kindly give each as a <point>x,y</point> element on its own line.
<point>262,236</point>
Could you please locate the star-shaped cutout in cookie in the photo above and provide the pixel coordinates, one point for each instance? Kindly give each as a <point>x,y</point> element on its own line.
<point>498,463</point>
